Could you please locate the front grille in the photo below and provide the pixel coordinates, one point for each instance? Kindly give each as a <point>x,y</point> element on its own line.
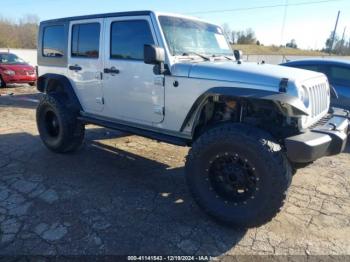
<point>24,72</point>
<point>21,72</point>
<point>322,121</point>
<point>319,98</point>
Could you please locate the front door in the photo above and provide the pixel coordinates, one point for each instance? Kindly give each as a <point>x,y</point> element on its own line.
<point>132,92</point>
<point>86,62</point>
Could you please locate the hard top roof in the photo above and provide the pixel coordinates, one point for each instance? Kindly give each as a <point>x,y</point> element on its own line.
<point>82,17</point>
<point>119,14</point>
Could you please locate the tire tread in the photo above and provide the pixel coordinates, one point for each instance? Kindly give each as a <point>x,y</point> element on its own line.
<point>74,131</point>
<point>269,150</point>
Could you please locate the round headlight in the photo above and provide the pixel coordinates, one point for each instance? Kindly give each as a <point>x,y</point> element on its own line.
<point>304,96</point>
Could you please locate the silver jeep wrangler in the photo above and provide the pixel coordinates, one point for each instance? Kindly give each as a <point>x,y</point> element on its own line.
<point>175,79</point>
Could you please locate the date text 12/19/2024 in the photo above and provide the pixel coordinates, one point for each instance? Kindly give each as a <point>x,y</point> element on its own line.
<point>171,258</point>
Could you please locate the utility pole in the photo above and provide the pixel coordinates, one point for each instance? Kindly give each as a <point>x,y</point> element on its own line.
<point>335,29</point>
<point>284,22</point>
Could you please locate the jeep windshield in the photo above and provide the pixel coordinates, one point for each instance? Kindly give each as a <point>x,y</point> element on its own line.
<point>187,37</point>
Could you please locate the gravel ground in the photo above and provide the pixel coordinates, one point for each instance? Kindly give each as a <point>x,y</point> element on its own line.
<point>123,194</point>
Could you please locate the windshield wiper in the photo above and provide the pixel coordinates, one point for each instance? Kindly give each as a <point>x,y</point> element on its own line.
<point>197,54</point>
<point>225,56</point>
<point>229,58</point>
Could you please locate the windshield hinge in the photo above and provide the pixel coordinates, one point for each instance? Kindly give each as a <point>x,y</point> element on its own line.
<point>283,85</point>
<point>159,80</point>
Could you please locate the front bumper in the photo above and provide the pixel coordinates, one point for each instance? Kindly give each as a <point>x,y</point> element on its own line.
<point>19,79</point>
<point>324,140</point>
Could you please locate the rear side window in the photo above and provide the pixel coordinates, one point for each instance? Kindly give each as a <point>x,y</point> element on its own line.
<point>53,41</point>
<point>128,39</point>
<point>340,75</point>
<point>86,40</point>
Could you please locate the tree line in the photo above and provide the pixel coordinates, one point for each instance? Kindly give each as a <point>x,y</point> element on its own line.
<point>19,34</point>
<point>337,45</point>
<point>244,37</point>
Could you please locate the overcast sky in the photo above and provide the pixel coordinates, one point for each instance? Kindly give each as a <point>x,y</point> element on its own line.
<point>310,24</point>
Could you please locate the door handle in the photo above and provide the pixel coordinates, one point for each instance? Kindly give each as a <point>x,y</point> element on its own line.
<point>111,70</point>
<point>75,68</point>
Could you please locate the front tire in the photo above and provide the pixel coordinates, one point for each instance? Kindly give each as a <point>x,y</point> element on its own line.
<point>58,126</point>
<point>2,83</point>
<point>238,174</point>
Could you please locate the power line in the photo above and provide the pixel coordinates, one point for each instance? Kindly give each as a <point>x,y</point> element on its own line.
<point>263,7</point>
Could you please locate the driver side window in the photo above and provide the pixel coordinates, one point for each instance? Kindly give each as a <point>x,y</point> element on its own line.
<point>128,39</point>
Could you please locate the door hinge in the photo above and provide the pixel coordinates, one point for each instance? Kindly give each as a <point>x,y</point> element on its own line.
<point>159,80</point>
<point>100,100</point>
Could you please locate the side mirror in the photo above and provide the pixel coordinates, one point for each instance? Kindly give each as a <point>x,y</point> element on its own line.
<point>153,54</point>
<point>238,54</point>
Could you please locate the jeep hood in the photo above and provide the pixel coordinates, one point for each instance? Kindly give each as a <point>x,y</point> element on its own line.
<point>246,72</point>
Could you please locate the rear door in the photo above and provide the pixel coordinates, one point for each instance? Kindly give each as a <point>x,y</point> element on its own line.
<point>131,89</point>
<point>85,62</point>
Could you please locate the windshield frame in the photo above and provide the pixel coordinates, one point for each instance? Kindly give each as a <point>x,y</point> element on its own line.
<point>192,56</point>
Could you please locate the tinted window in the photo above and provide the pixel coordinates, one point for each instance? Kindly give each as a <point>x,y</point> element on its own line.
<point>340,75</point>
<point>85,40</point>
<point>53,41</point>
<point>12,59</point>
<point>128,39</point>
<point>309,67</point>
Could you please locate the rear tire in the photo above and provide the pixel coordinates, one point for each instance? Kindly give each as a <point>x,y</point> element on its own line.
<point>238,174</point>
<point>58,126</point>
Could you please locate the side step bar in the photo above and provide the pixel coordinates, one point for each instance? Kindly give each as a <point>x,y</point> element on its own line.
<point>137,131</point>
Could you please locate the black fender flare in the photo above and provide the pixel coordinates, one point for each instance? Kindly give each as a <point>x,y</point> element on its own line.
<point>247,93</point>
<point>43,85</point>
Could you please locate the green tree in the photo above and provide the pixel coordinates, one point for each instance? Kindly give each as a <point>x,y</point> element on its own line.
<point>19,34</point>
<point>292,44</point>
<point>246,37</point>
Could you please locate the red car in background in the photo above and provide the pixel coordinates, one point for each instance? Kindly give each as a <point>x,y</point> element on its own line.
<point>15,70</point>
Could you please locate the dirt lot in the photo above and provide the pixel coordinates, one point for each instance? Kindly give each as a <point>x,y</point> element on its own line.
<point>123,194</point>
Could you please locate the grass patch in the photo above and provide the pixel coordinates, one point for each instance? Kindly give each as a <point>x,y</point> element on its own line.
<point>275,50</point>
